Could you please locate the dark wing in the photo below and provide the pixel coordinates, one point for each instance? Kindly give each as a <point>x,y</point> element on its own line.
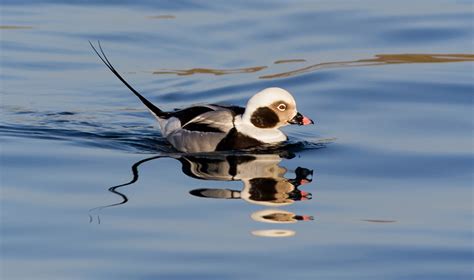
<point>205,118</point>
<point>185,115</point>
<point>213,121</point>
<point>236,110</point>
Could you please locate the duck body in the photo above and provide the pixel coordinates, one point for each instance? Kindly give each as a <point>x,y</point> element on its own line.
<point>211,127</point>
<point>208,128</point>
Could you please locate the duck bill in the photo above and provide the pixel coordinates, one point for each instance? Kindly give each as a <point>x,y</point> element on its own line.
<point>299,119</point>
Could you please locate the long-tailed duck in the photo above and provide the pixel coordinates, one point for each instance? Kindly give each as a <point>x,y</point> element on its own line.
<point>208,128</point>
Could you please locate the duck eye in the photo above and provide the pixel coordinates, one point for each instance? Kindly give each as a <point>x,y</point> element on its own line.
<point>282,107</point>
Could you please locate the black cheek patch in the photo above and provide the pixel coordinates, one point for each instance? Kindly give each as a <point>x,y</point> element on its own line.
<point>264,117</point>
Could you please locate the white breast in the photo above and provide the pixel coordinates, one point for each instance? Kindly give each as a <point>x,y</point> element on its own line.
<point>265,135</point>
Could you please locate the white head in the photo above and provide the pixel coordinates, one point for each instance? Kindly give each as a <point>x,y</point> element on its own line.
<point>273,108</point>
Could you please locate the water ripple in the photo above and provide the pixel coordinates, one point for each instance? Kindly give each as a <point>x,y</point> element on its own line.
<point>130,136</point>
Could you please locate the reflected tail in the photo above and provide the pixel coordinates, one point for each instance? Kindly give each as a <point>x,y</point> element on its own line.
<point>115,191</point>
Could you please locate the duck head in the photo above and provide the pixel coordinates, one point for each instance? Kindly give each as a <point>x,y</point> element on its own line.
<point>273,108</point>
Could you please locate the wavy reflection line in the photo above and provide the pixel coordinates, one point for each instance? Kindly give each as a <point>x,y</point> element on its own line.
<point>289,61</point>
<point>115,191</point>
<point>15,27</point>
<point>216,72</point>
<point>380,59</point>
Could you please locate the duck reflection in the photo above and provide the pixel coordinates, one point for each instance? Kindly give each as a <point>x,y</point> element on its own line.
<point>263,179</point>
<point>278,216</point>
<point>264,183</point>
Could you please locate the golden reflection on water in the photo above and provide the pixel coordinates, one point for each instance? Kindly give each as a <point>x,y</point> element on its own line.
<point>380,59</point>
<point>216,72</point>
<point>289,61</point>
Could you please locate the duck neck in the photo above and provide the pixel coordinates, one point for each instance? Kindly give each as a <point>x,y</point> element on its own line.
<point>265,135</point>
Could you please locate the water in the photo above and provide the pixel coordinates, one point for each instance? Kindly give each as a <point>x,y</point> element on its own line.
<point>388,84</point>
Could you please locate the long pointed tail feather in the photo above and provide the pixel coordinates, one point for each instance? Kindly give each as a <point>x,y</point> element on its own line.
<point>154,110</point>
